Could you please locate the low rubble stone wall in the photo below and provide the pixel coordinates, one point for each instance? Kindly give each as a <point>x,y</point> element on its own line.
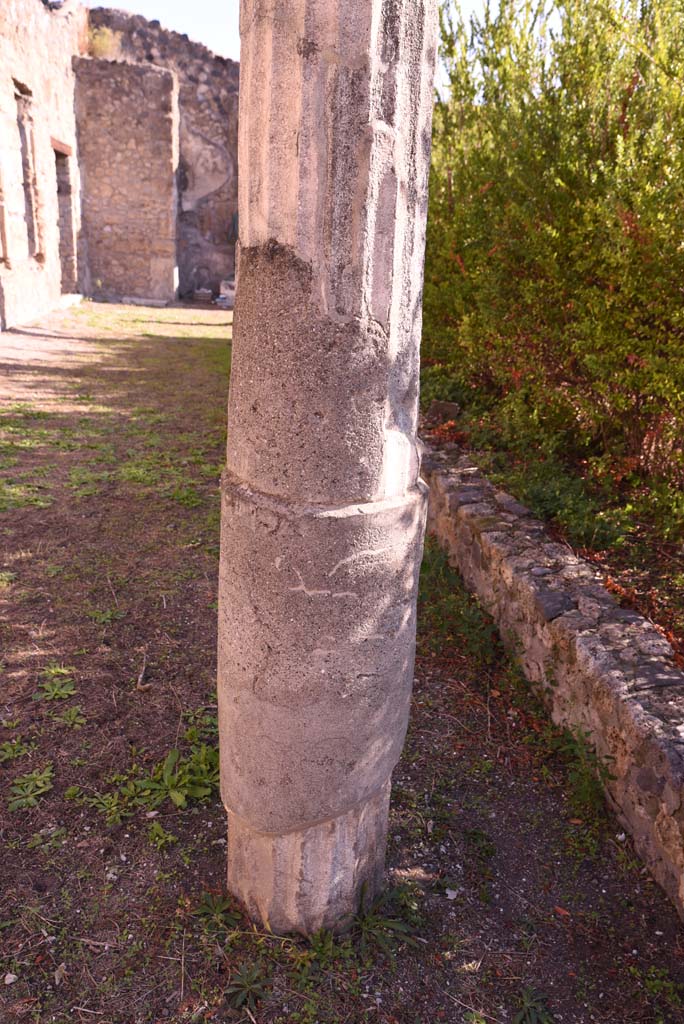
<point>603,669</point>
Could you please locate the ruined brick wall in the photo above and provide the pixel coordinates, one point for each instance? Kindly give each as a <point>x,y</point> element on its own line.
<point>127,118</point>
<point>208,102</point>
<point>39,179</point>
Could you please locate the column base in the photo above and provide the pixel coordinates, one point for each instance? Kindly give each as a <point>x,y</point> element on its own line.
<point>314,878</point>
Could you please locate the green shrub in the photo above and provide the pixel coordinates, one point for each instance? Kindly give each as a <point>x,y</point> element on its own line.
<point>553,493</point>
<point>555,258</point>
<point>439,383</point>
<point>104,43</point>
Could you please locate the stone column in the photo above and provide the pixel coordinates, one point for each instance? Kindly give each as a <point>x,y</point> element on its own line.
<point>323,511</point>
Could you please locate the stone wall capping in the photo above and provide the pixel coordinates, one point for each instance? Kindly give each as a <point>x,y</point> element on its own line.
<point>602,669</point>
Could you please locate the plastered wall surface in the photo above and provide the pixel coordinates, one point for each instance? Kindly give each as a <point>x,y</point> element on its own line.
<point>38,155</point>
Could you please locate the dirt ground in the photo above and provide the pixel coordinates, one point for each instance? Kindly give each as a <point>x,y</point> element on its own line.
<point>513,895</point>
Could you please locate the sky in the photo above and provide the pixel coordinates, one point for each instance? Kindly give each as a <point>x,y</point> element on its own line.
<point>212,22</point>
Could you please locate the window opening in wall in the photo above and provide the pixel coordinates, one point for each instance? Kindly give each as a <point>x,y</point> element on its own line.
<point>67,243</point>
<point>23,98</point>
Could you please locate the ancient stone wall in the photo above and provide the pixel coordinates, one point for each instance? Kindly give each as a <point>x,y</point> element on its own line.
<point>39,180</point>
<point>127,118</point>
<point>138,223</point>
<point>207,179</point>
<point>603,669</point>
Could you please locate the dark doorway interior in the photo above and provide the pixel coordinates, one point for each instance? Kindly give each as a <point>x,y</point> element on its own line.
<point>67,247</point>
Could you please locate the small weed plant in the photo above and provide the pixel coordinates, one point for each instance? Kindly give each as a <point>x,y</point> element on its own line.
<point>178,779</point>
<point>159,837</point>
<point>105,616</point>
<point>72,718</point>
<point>217,914</point>
<point>10,750</point>
<point>587,776</point>
<point>378,928</point>
<point>27,790</point>
<point>58,683</point>
<point>48,839</point>
<point>181,779</point>
<point>248,987</point>
<point>533,1009</point>
<point>667,995</point>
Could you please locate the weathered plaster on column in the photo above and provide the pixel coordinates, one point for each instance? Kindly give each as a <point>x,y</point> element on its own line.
<point>323,511</point>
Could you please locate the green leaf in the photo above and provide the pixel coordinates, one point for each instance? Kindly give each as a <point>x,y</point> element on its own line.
<point>169,765</point>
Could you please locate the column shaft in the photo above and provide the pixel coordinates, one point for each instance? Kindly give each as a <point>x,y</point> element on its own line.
<point>323,512</point>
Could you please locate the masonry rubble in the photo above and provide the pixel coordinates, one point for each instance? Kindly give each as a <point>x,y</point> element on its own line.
<point>323,511</point>
<point>118,176</point>
<point>604,670</point>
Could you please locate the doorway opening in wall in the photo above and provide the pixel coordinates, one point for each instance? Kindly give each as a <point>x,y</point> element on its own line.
<point>67,242</point>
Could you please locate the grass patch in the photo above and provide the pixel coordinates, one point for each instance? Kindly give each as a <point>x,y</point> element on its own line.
<point>22,495</point>
<point>85,482</point>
